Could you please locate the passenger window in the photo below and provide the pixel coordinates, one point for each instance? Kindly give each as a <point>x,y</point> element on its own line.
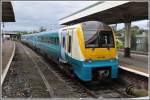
<point>57,41</point>
<point>69,47</point>
<point>52,40</point>
<point>63,41</point>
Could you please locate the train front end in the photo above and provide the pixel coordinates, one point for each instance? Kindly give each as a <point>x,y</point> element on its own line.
<point>97,43</point>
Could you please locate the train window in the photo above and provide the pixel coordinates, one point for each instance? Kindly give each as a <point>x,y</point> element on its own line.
<point>63,41</point>
<point>69,44</point>
<point>41,39</point>
<point>106,39</point>
<point>64,32</point>
<point>57,40</point>
<point>97,34</point>
<point>91,38</point>
<point>48,41</point>
<point>53,40</point>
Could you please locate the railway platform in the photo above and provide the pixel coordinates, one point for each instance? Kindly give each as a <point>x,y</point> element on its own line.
<point>136,62</point>
<point>8,49</point>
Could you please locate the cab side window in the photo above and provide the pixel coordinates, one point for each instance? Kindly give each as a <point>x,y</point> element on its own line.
<point>63,42</point>
<point>69,45</point>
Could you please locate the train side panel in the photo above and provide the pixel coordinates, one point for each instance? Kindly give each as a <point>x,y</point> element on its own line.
<point>48,43</point>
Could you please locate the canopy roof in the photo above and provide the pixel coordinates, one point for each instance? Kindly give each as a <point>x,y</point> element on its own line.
<point>7,12</point>
<point>110,12</point>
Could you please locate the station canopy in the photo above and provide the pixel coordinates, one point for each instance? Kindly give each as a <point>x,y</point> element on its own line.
<point>7,12</point>
<point>109,12</point>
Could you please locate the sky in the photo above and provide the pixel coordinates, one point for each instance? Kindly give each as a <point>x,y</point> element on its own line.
<point>30,15</point>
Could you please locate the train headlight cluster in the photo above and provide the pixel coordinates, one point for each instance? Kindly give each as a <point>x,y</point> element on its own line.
<point>117,57</point>
<point>88,60</point>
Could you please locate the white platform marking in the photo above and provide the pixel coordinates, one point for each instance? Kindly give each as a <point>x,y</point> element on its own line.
<point>134,71</point>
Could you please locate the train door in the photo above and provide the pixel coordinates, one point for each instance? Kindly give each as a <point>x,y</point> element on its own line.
<point>63,45</point>
<point>69,43</point>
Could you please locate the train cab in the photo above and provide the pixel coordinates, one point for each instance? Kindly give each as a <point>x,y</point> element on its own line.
<point>90,48</point>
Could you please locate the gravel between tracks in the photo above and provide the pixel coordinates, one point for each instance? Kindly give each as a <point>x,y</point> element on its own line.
<point>33,77</point>
<point>25,78</point>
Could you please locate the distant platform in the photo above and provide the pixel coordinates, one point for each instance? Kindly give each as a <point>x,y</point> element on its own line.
<point>137,62</point>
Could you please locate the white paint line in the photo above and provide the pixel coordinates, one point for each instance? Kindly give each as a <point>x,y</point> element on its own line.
<point>147,98</point>
<point>134,71</point>
<point>7,66</point>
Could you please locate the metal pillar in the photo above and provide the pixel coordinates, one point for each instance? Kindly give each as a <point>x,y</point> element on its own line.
<point>127,39</point>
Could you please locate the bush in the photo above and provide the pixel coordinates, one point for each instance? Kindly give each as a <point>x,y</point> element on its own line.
<point>119,44</point>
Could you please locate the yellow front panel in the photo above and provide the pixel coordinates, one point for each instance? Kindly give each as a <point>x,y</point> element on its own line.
<point>95,53</point>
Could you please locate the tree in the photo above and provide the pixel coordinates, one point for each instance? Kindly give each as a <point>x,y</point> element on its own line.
<point>42,29</point>
<point>21,33</point>
<point>34,31</point>
<point>119,44</point>
<point>135,30</point>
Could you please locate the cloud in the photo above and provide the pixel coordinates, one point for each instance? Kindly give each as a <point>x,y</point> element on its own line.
<point>33,14</point>
<point>30,15</point>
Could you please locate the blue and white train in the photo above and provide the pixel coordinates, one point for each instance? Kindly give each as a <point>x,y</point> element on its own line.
<point>89,49</point>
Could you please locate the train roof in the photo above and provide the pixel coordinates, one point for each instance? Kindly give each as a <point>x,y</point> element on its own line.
<point>89,24</point>
<point>43,33</point>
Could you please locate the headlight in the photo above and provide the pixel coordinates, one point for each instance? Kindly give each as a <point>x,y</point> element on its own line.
<point>88,60</point>
<point>117,57</point>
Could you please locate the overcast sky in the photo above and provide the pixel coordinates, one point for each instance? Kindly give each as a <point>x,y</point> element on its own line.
<point>30,15</point>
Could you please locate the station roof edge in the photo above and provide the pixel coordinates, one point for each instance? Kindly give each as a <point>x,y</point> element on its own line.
<point>82,9</point>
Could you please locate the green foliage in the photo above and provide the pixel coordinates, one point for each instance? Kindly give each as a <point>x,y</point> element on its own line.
<point>23,33</point>
<point>117,33</point>
<point>119,44</point>
<point>34,31</point>
<point>135,30</point>
<point>42,29</point>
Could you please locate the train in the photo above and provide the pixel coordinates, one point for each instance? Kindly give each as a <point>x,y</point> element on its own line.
<point>89,48</point>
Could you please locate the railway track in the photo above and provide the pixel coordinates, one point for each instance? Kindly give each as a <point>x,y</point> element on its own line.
<point>56,79</point>
<point>74,82</point>
<point>49,88</point>
<point>77,88</point>
<point>113,88</point>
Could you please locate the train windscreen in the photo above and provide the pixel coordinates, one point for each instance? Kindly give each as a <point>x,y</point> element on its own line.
<point>97,35</point>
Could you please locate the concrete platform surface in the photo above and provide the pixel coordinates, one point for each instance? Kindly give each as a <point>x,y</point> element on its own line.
<point>7,50</point>
<point>136,61</point>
